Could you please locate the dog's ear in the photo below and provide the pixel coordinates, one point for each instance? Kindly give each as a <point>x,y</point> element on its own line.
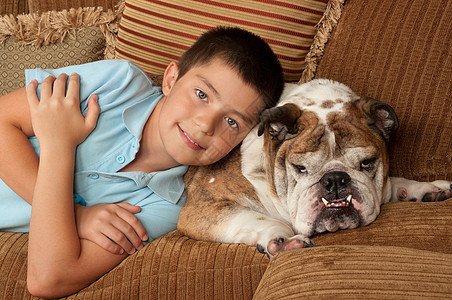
<point>381,117</point>
<point>280,121</point>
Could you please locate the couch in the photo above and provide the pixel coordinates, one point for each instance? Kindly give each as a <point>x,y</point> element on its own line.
<point>395,51</point>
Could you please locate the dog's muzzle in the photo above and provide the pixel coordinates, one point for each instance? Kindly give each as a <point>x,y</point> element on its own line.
<point>337,197</point>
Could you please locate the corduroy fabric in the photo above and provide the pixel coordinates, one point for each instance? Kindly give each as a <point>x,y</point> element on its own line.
<point>40,6</point>
<point>411,236</point>
<point>13,7</point>
<point>154,33</point>
<point>399,52</point>
<point>357,272</point>
<point>171,267</point>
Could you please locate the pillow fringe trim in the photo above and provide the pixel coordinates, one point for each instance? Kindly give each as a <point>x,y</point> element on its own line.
<point>53,26</point>
<point>325,27</point>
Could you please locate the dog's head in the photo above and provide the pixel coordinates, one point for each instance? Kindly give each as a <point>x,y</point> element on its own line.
<point>327,149</point>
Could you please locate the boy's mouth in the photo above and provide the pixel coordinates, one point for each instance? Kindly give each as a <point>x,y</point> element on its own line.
<point>189,141</point>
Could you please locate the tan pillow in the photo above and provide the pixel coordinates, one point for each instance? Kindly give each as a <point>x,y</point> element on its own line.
<point>399,52</point>
<point>154,33</point>
<point>51,40</point>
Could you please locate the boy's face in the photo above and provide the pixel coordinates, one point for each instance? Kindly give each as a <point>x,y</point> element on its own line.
<point>206,113</point>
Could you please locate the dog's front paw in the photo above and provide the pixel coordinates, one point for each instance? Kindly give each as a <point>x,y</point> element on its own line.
<point>415,191</point>
<point>282,244</point>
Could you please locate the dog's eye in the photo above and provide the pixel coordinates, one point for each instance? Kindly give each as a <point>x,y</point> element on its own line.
<point>368,164</point>
<point>301,169</point>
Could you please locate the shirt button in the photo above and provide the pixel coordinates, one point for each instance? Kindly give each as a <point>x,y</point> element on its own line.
<point>120,159</point>
<point>93,176</point>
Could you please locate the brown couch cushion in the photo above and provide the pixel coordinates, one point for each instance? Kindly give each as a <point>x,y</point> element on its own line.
<point>399,52</point>
<point>175,267</point>
<point>357,272</point>
<point>154,33</point>
<point>171,267</point>
<point>423,226</point>
<point>406,252</point>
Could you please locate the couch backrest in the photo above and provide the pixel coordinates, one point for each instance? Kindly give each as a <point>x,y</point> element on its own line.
<point>400,52</point>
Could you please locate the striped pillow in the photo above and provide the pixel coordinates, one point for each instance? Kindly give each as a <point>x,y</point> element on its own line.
<point>153,33</point>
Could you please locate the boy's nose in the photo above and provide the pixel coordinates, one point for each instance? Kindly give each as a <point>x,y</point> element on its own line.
<point>206,122</point>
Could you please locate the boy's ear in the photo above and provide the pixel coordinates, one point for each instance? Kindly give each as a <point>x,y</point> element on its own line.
<point>169,77</point>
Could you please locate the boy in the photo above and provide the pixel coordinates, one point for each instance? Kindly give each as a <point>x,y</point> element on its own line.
<point>144,138</point>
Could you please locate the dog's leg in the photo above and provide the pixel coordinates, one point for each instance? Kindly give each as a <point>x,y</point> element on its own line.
<point>416,191</point>
<point>269,235</point>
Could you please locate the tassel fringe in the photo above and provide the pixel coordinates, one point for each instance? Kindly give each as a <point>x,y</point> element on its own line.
<point>53,26</point>
<point>325,27</point>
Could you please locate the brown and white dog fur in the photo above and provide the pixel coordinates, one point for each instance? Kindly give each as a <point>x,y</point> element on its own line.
<point>317,162</point>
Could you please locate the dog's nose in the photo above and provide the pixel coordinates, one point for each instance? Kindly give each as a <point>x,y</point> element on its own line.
<point>335,182</point>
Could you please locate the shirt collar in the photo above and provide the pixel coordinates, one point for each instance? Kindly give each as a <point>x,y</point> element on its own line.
<point>169,184</point>
<point>136,115</point>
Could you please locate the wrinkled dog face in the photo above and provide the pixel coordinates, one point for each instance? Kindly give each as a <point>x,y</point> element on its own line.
<point>330,159</point>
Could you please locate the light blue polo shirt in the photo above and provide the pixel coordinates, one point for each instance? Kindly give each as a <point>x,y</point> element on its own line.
<point>126,98</point>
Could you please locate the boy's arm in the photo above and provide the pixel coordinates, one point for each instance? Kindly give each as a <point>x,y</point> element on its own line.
<point>19,168</point>
<point>59,263</point>
<point>18,160</point>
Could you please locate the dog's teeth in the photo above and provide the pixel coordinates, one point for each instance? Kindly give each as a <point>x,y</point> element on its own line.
<point>325,202</point>
<point>349,198</point>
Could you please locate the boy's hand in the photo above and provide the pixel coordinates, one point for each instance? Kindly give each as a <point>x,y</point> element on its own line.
<point>111,226</point>
<point>57,117</point>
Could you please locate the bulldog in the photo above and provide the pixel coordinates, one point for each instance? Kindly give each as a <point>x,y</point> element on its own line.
<point>317,162</point>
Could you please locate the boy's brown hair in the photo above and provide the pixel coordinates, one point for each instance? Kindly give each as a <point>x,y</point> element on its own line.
<point>245,52</point>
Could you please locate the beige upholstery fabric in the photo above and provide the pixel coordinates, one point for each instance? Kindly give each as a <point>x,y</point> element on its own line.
<point>40,6</point>
<point>13,7</point>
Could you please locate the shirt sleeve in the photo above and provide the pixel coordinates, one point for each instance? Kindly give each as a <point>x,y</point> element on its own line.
<point>108,79</point>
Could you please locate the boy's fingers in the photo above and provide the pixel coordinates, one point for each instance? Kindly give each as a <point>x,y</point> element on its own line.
<point>93,113</point>
<point>136,225</point>
<point>107,244</point>
<point>47,87</point>
<point>59,85</point>
<point>31,93</point>
<point>133,209</point>
<point>122,234</point>
<point>125,236</point>
<point>73,88</point>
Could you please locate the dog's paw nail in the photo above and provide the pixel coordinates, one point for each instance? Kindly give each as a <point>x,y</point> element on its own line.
<point>260,248</point>
<point>308,244</point>
<point>279,241</point>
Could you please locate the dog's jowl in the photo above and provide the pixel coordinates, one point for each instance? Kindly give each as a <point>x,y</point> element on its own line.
<point>317,162</point>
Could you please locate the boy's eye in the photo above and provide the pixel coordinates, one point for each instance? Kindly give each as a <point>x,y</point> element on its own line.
<point>231,122</point>
<point>201,95</point>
